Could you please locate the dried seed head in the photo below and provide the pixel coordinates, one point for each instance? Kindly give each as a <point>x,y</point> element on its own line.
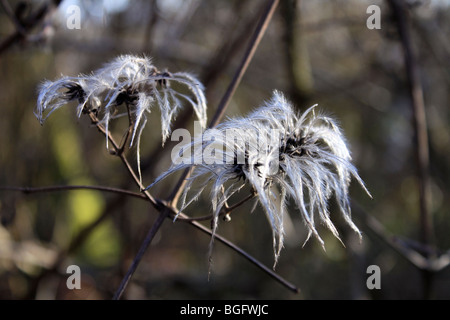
<point>280,154</point>
<point>127,80</point>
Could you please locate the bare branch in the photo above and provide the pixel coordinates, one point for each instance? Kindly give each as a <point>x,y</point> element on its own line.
<point>32,21</point>
<point>167,210</point>
<point>420,129</point>
<point>420,125</point>
<point>29,190</point>
<point>220,111</point>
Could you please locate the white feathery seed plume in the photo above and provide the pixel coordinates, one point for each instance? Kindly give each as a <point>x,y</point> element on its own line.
<point>315,162</point>
<point>127,80</point>
<point>280,154</point>
<point>228,157</point>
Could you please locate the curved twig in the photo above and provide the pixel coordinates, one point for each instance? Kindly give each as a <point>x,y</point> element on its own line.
<point>166,210</point>
<point>223,105</point>
<point>177,191</point>
<point>29,190</point>
<point>225,210</point>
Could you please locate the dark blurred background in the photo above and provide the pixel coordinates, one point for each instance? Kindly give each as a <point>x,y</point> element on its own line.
<point>315,52</point>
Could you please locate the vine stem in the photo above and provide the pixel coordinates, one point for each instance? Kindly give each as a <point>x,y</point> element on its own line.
<point>28,190</point>
<point>248,56</point>
<point>261,28</point>
<point>224,211</point>
<point>166,209</point>
<point>137,259</point>
<point>177,191</point>
<point>138,195</point>
<point>181,217</point>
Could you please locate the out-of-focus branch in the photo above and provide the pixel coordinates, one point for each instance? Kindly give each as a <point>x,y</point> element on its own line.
<point>167,209</point>
<point>11,15</point>
<point>226,52</point>
<point>296,54</point>
<point>251,49</point>
<point>242,68</point>
<point>29,190</point>
<point>225,210</point>
<point>220,111</point>
<point>378,229</point>
<point>210,74</point>
<point>419,114</point>
<point>416,254</point>
<point>28,24</point>
<point>420,128</point>
<point>75,243</point>
<point>153,18</point>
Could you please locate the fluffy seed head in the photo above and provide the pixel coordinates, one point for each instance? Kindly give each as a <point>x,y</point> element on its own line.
<point>130,81</point>
<point>283,155</point>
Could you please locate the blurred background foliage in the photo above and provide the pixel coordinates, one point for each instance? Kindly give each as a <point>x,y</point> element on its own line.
<point>314,51</point>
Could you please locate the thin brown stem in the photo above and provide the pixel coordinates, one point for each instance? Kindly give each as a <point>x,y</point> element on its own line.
<point>419,121</point>
<point>30,190</point>
<point>153,18</point>
<point>163,207</point>
<point>169,208</point>
<point>127,137</point>
<point>225,211</point>
<point>377,228</point>
<point>296,54</point>
<point>256,38</point>
<point>248,56</point>
<point>78,240</point>
<point>210,74</point>
<point>137,259</point>
<point>223,105</point>
<point>414,253</point>
<point>166,209</point>
<point>231,245</point>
